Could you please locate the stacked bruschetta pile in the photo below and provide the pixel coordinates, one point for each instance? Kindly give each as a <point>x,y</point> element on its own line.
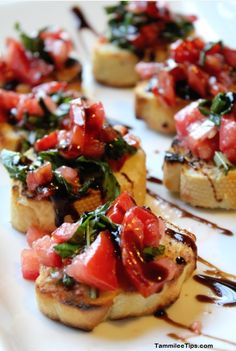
<point>79,183</point>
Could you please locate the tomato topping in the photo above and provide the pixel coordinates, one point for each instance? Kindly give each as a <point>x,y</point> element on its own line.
<point>95,117</point>
<point>96,267</point>
<point>47,256</point>
<point>141,228</point>
<point>197,79</point>
<point>64,232</point>
<point>165,88</point>
<point>34,233</point>
<point>68,173</point>
<point>185,117</point>
<point>48,141</point>
<point>40,176</point>
<point>230,56</point>
<point>119,207</point>
<point>8,99</point>
<point>24,69</point>
<point>94,148</point>
<point>58,45</point>
<point>50,87</point>
<point>228,137</point>
<point>187,50</point>
<point>29,264</point>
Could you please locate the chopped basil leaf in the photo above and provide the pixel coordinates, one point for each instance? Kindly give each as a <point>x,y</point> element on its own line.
<point>34,43</point>
<point>124,26</point>
<point>208,47</point>
<point>222,104</point>
<point>151,252</point>
<point>204,107</point>
<point>11,160</point>
<point>178,29</point>
<point>221,161</point>
<point>68,281</point>
<point>117,148</point>
<point>99,169</point>
<point>67,249</point>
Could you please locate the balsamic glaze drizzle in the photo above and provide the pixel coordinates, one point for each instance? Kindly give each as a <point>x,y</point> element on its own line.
<point>185,213</point>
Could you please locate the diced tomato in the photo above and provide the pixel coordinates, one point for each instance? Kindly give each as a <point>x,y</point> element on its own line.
<point>197,80</point>
<point>34,233</point>
<point>95,117</point>
<point>93,148</point>
<point>109,133</point>
<point>29,264</point>
<point>47,142</point>
<point>28,104</point>
<point>40,176</point>
<point>228,137</point>
<point>24,68</point>
<point>64,232</point>
<point>141,229</point>
<point>158,10</point>
<point>45,252</point>
<point>77,138</point>
<point>187,51</point>
<point>230,56</point>
<point>58,45</point>
<point>50,87</point>
<point>96,267</point>
<point>119,207</point>
<point>185,117</point>
<point>68,173</point>
<point>147,70</point>
<point>8,99</point>
<point>165,87</point>
<point>214,64</point>
<point>3,116</point>
<point>147,36</point>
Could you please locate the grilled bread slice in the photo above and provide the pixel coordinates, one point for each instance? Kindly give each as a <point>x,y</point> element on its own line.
<point>153,110</point>
<point>29,211</point>
<point>9,138</point>
<point>115,67</point>
<point>76,309</point>
<point>198,183</point>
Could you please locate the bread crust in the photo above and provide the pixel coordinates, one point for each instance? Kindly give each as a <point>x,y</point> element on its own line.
<point>115,67</point>
<point>200,183</point>
<point>79,311</point>
<point>29,211</point>
<point>154,111</point>
<point>9,138</point>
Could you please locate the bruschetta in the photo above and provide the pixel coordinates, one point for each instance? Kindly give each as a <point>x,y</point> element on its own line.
<point>116,262</point>
<point>39,57</point>
<point>194,70</point>
<point>201,163</point>
<point>24,118</point>
<point>73,170</point>
<point>136,30</point>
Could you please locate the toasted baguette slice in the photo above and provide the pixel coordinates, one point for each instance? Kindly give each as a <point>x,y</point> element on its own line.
<point>76,309</point>
<point>27,211</point>
<point>151,108</point>
<point>115,67</point>
<point>199,183</point>
<point>9,138</point>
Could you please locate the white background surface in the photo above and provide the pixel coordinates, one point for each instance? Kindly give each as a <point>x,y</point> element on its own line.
<point>22,326</point>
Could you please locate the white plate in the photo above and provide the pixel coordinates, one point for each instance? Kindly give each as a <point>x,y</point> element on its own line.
<point>22,326</point>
